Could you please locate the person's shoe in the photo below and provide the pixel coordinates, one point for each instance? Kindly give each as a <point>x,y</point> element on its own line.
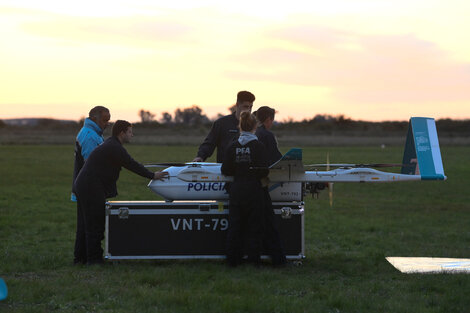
<point>233,262</point>
<point>95,262</point>
<point>79,262</point>
<point>254,261</point>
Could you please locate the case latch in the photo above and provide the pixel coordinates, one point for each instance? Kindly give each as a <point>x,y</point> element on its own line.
<point>123,213</point>
<point>204,207</point>
<point>286,212</point>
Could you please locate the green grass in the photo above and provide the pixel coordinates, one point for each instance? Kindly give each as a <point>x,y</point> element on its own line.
<point>345,269</point>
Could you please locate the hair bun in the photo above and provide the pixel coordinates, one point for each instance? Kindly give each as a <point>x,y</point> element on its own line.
<point>248,121</point>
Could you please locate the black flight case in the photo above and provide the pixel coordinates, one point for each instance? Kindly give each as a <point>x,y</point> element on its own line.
<point>187,229</point>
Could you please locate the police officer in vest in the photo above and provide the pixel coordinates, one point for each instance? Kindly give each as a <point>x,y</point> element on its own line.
<point>245,160</point>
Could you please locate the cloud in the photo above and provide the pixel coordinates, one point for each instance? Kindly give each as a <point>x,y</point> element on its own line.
<point>359,68</point>
<point>135,30</point>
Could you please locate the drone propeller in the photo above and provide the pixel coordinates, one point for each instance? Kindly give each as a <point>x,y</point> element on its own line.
<point>177,164</point>
<point>368,165</point>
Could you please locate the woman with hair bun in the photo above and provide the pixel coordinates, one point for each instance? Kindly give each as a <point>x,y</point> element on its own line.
<point>245,160</point>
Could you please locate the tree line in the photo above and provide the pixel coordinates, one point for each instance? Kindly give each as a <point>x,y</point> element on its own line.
<point>188,116</point>
<point>194,117</point>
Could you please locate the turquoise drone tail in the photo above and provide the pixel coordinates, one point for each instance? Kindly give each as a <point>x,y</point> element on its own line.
<point>422,153</point>
<point>292,159</point>
<point>293,154</point>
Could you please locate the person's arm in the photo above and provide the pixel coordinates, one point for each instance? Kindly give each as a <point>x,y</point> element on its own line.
<point>273,153</point>
<point>228,167</point>
<point>209,144</point>
<point>132,165</point>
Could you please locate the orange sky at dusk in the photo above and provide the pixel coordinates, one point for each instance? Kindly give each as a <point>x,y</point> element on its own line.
<point>370,60</point>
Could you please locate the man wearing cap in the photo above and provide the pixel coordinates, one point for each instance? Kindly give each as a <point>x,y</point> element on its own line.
<point>225,129</point>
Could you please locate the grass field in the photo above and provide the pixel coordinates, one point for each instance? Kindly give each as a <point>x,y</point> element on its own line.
<point>345,269</point>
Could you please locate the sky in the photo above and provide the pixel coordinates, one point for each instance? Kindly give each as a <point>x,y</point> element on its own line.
<point>366,59</point>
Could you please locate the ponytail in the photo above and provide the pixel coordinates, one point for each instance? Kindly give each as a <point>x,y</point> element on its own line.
<point>248,121</point>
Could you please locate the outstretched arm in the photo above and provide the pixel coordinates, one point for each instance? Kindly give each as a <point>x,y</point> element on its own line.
<point>209,144</point>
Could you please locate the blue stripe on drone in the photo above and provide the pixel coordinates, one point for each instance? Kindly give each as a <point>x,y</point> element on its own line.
<point>274,186</point>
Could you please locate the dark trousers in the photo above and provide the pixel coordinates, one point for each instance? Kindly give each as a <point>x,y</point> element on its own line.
<point>271,238</point>
<point>245,231</point>
<point>90,226</point>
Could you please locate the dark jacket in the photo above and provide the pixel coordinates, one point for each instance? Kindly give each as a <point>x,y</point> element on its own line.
<point>267,138</point>
<point>102,168</point>
<point>222,134</point>
<point>245,163</point>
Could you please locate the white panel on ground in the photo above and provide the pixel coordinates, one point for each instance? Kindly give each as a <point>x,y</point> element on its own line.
<point>430,265</point>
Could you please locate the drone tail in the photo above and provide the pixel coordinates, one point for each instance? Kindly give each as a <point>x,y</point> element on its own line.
<point>422,153</point>
<point>293,154</point>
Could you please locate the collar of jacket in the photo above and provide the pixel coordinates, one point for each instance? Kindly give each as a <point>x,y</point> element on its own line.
<point>246,137</point>
<point>114,138</point>
<point>92,125</point>
<point>234,116</point>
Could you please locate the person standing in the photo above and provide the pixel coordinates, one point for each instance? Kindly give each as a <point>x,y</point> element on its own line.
<point>271,237</point>
<point>265,116</point>
<point>225,129</point>
<point>97,181</point>
<point>245,160</point>
<point>88,138</point>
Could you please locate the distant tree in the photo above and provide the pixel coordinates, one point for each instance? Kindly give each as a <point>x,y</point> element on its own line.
<point>146,116</point>
<point>190,116</point>
<point>2,124</point>
<point>449,125</point>
<point>321,118</point>
<point>341,119</point>
<point>166,118</point>
<point>288,120</point>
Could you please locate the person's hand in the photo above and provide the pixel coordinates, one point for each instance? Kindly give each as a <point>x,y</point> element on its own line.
<point>160,175</point>
<point>198,159</point>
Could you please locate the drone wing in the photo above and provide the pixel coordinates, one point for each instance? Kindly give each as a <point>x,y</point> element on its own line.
<point>421,161</point>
